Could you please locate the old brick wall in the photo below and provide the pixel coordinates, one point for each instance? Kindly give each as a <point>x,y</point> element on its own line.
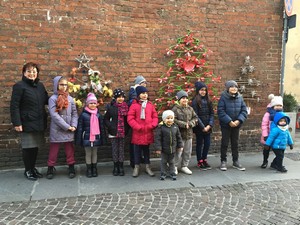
<point>126,38</point>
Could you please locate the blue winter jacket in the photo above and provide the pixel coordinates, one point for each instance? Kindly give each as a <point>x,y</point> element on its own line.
<point>279,138</point>
<point>82,135</point>
<point>231,108</point>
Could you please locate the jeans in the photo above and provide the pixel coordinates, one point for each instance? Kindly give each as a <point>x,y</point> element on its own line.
<point>230,134</point>
<point>138,151</point>
<point>167,163</point>
<point>202,145</point>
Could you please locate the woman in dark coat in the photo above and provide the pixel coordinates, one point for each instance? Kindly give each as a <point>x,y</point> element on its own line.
<point>29,117</point>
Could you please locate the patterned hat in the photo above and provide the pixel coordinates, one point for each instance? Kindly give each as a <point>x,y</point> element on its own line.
<point>118,92</point>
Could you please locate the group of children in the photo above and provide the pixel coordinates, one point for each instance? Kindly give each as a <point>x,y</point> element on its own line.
<point>173,135</point>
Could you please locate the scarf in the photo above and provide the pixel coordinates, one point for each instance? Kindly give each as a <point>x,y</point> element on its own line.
<point>94,123</point>
<point>144,104</point>
<point>122,112</point>
<point>62,101</point>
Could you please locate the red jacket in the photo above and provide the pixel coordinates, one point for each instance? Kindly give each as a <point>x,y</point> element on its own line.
<point>142,130</point>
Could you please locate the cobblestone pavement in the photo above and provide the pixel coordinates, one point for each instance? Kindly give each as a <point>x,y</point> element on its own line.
<point>272,202</point>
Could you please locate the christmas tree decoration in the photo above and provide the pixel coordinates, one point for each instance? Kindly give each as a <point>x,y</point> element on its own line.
<point>83,81</point>
<point>189,64</point>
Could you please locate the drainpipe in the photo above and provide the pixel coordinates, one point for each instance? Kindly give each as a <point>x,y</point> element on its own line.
<point>284,40</point>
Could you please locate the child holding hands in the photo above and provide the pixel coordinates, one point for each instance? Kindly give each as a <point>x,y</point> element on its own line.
<point>168,140</point>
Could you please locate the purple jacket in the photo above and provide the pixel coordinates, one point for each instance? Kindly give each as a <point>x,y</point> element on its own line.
<point>63,120</point>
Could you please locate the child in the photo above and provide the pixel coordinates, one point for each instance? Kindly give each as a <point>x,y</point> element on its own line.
<point>279,137</point>
<point>90,133</point>
<point>186,119</point>
<point>232,113</point>
<point>204,109</point>
<point>64,120</point>
<point>142,118</point>
<point>167,140</point>
<point>115,120</point>
<point>138,81</point>
<point>274,106</point>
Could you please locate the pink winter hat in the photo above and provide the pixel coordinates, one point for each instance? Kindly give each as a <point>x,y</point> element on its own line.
<point>91,98</point>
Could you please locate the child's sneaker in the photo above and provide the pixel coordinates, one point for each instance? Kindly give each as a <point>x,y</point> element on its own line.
<point>206,165</point>
<point>199,164</point>
<point>163,176</point>
<point>223,166</point>
<point>238,166</point>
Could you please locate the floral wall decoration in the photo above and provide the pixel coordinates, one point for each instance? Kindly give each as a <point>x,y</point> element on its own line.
<point>188,64</point>
<point>84,80</point>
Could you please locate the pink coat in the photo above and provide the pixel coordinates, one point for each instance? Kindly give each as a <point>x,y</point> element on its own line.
<point>142,130</point>
<point>265,126</point>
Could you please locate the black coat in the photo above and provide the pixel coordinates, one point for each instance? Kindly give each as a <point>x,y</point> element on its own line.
<point>111,120</point>
<point>27,105</point>
<point>168,139</point>
<point>82,134</point>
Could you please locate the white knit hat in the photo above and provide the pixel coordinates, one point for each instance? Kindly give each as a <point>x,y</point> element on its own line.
<point>276,100</point>
<point>166,114</point>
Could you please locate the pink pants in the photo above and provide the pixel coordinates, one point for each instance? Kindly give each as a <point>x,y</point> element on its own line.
<point>54,149</point>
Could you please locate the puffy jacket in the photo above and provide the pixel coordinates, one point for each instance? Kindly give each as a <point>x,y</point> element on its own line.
<point>168,139</point>
<point>183,116</point>
<point>111,119</point>
<point>205,114</point>
<point>231,108</point>
<point>279,138</point>
<point>82,134</point>
<point>27,105</point>
<point>61,121</point>
<point>142,129</point>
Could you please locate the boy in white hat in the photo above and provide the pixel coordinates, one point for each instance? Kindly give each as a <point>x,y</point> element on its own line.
<point>168,140</point>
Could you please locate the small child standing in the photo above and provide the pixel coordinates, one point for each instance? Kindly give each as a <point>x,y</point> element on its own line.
<point>168,140</point>
<point>276,105</point>
<point>64,120</point>
<point>204,109</point>
<point>232,113</point>
<point>90,133</point>
<point>115,120</point>
<point>279,137</point>
<point>186,119</point>
<point>142,118</point>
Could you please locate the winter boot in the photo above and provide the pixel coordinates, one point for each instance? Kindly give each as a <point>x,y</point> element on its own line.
<point>94,170</point>
<point>89,170</point>
<point>149,171</point>
<point>50,172</point>
<point>71,171</point>
<point>136,171</point>
<point>115,170</point>
<point>122,173</point>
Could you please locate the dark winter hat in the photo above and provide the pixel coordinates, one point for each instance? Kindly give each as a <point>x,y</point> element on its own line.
<point>181,94</point>
<point>118,92</point>
<point>139,79</point>
<point>230,83</point>
<point>199,85</point>
<point>140,89</point>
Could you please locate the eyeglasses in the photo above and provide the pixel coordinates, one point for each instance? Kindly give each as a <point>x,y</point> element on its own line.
<point>65,85</point>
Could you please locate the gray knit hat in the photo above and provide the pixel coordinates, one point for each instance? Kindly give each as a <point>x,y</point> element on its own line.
<point>166,114</point>
<point>139,79</point>
<point>181,94</point>
<point>230,83</point>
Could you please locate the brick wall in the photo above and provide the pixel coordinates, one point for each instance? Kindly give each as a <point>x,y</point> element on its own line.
<point>126,38</point>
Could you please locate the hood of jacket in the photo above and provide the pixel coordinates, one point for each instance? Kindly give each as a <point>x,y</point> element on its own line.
<point>279,115</point>
<point>55,84</point>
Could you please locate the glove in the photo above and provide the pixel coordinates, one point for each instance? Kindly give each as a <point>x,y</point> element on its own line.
<point>266,147</point>
<point>265,138</point>
<point>291,147</point>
